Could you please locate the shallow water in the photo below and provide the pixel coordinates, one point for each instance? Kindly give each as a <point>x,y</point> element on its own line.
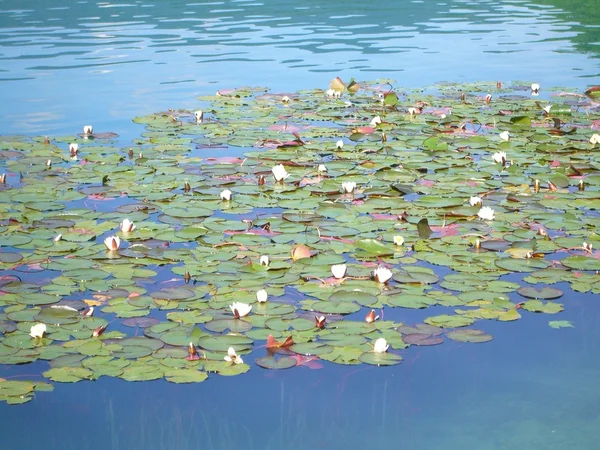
<point>65,65</point>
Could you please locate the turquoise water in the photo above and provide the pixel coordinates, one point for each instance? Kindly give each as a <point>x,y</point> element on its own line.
<point>63,65</point>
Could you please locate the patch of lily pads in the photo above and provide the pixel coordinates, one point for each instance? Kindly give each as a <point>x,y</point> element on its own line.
<point>350,205</point>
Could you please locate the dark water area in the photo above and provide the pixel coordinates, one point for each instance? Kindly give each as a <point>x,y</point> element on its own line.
<point>64,65</point>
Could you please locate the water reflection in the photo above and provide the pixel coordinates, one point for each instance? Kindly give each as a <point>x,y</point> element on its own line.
<point>106,62</point>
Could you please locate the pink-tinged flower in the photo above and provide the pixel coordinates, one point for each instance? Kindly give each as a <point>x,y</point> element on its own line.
<point>127,226</point>
<point>240,309</point>
<point>371,317</point>
<point>192,353</point>
<point>233,357</point>
<point>380,346</point>
<point>382,274</point>
<point>320,321</point>
<point>112,243</point>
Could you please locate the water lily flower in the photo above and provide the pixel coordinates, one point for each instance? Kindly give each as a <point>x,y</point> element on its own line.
<point>261,180</point>
<point>499,157</point>
<point>380,346</point>
<point>73,150</point>
<point>486,213</point>
<point>321,168</point>
<point>192,353</point>
<point>382,274</point>
<point>337,94</point>
<point>320,321</point>
<point>264,260</point>
<point>398,240</point>
<point>505,136</point>
<point>338,271</point>
<point>488,98</point>
<point>347,104</point>
<point>127,226</point>
<point>371,317</point>
<point>339,144</point>
<point>587,247</point>
<point>375,121</point>
<point>547,109</point>
<point>88,312</point>
<point>38,330</point>
<point>330,93</point>
<point>477,244</point>
<point>87,129</point>
<point>474,201</point>
<point>112,243</point>
<point>262,296</point>
<point>595,139</point>
<point>535,88</point>
<point>240,309</point>
<point>49,163</point>
<point>279,173</point>
<point>226,195</point>
<point>413,111</point>
<point>199,115</point>
<point>300,251</point>
<point>57,238</point>
<point>285,99</point>
<point>348,186</point>
<point>233,357</point>
<point>3,178</point>
<point>99,330</point>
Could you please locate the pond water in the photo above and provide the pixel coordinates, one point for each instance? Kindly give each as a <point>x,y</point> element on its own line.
<point>64,65</point>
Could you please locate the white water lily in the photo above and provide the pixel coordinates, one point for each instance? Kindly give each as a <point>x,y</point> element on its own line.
<point>38,330</point>
<point>348,186</point>
<point>339,144</point>
<point>240,309</point>
<point>486,213</point>
<point>226,195</point>
<point>413,111</point>
<point>88,129</point>
<point>285,99</point>
<point>262,296</point>
<point>57,238</point>
<point>547,109</point>
<point>279,173</point>
<point>535,88</point>
<point>264,260</point>
<point>505,136</point>
<point>398,240</point>
<point>73,149</point>
<point>338,271</point>
<point>375,121</point>
<point>49,163</point>
<point>499,157</point>
<point>127,226</point>
<point>321,168</point>
<point>595,139</point>
<point>474,201</point>
<point>380,346</point>
<point>112,243</point>
<point>330,93</point>
<point>199,115</point>
<point>233,357</point>
<point>382,274</point>
<point>347,104</point>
